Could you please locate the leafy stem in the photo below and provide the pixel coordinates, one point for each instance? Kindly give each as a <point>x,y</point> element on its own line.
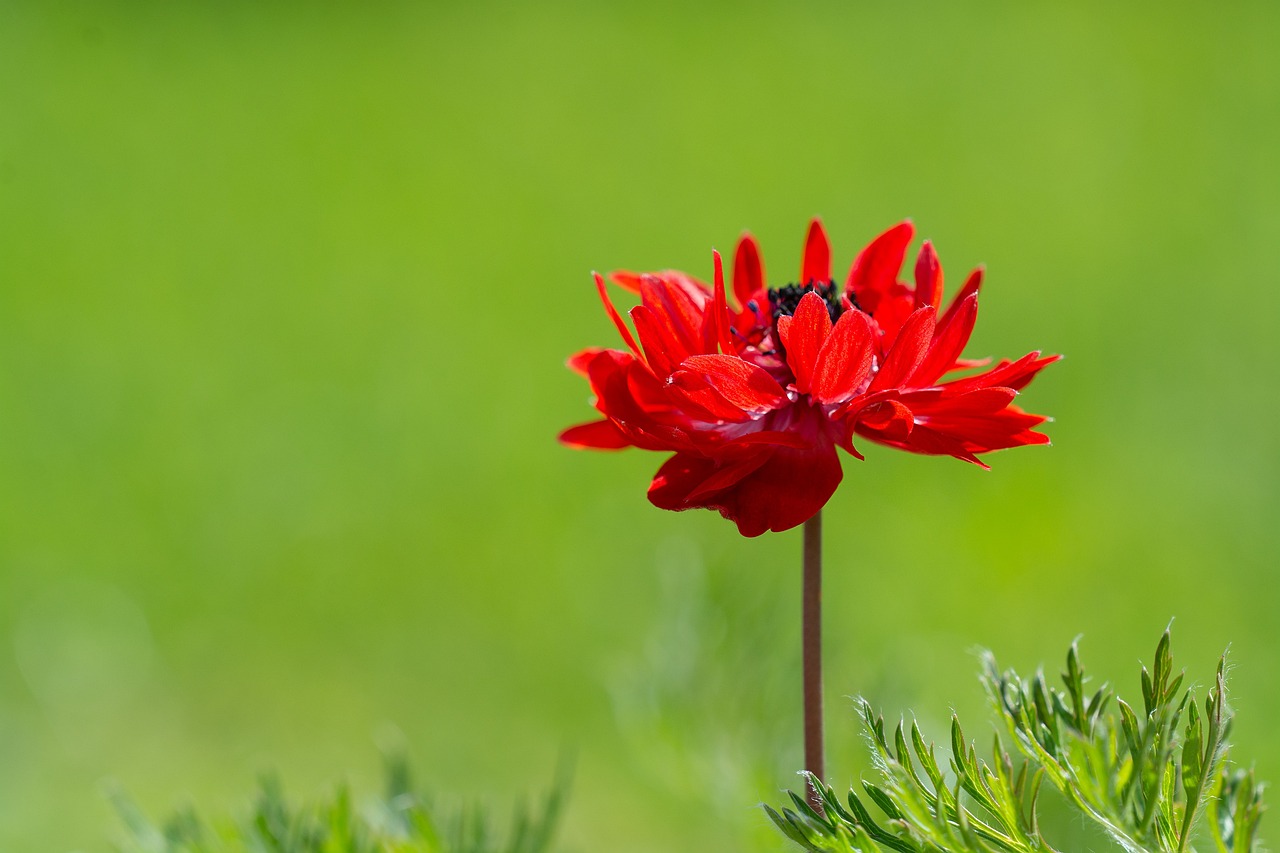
<point>1146,778</point>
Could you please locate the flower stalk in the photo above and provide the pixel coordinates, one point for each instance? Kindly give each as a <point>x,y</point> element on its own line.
<point>811,650</point>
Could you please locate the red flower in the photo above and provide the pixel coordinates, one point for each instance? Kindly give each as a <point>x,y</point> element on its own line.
<point>754,400</point>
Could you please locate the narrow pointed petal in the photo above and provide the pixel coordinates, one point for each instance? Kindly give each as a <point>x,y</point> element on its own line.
<point>1019,382</point>
<point>662,350</point>
<point>907,352</point>
<point>697,291</point>
<point>679,309</point>
<point>980,421</point>
<point>1010,374</point>
<point>985,433</point>
<point>875,270</point>
<point>817,255</point>
<point>748,270</point>
<point>971,286</point>
<point>927,441</point>
<point>627,280</point>
<point>720,310</point>
<point>803,338</point>
<point>846,358</point>
<point>614,315</point>
<point>982,431</point>
<point>970,363</point>
<point>949,341</point>
<point>596,435</point>
<point>928,278</point>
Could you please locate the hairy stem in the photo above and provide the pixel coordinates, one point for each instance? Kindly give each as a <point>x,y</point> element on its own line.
<point>811,645</point>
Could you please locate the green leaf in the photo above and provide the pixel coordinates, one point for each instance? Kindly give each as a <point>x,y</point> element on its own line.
<point>399,823</point>
<point>1143,778</point>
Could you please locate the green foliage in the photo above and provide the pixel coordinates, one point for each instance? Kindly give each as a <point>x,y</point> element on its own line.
<point>402,821</point>
<point>1146,776</point>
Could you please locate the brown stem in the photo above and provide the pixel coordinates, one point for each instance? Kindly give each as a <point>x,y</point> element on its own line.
<point>811,645</point>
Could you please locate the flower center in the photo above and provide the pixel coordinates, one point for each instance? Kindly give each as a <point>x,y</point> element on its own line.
<point>785,300</point>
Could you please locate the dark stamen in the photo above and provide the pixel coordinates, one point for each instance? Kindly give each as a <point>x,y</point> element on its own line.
<point>785,300</point>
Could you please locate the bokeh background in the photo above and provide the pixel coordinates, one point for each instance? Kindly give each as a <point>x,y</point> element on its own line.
<point>285,294</point>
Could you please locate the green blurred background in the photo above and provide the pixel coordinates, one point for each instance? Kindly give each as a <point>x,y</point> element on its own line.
<point>285,294</point>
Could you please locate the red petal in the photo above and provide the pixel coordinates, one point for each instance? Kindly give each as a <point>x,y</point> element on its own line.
<point>748,271</point>
<point>979,421</point>
<point>980,433</point>
<point>928,278</point>
<point>907,352</point>
<point>846,442</point>
<point>649,393</point>
<point>1022,380</point>
<point>891,418</point>
<point>741,383</point>
<point>784,492</point>
<point>720,309</point>
<point>699,401</point>
<point>778,490</point>
<point>949,341</point>
<point>580,362</point>
<point>875,270</point>
<point>614,315</point>
<point>817,256</point>
<point>765,436</point>
<point>803,338</point>
<point>726,475</point>
<point>983,401</point>
<point>896,305</point>
<point>1010,374</point>
<point>661,348</point>
<point>846,358</point>
<point>971,286</point>
<point>600,435</point>
<point>987,433</point>
<point>627,280</point>
<point>969,363</point>
<point>690,286</point>
<point>607,367</point>
<point>687,474</point>
<point>625,393</point>
<point>679,310</point>
<point>926,441</point>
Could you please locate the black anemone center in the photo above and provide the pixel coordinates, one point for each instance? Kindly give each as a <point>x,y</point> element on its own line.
<point>785,300</point>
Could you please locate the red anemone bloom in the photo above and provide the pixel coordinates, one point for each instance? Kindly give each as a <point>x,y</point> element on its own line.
<point>755,399</point>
